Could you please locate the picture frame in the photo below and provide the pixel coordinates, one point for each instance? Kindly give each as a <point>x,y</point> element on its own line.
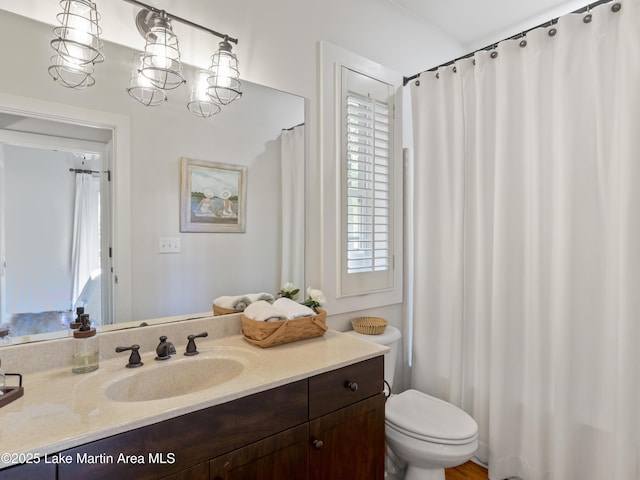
<point>213,196</point>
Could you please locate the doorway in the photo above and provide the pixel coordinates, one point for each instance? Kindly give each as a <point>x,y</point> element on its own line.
<point>55,224</point>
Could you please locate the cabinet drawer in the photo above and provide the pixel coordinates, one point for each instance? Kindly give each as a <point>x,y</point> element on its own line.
<point>342,387</point>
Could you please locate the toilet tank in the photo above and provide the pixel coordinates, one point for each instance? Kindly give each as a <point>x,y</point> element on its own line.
<point>389,338</point>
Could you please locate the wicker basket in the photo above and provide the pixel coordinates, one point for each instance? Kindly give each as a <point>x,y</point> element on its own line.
<point>369,325</point>
<point>218,310</point>
<point>269,334</point>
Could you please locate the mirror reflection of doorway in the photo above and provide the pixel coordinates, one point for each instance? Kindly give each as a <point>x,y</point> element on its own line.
<point>54,214</point>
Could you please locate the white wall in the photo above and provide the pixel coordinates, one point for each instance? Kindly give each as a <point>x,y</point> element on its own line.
<point>209,265</point>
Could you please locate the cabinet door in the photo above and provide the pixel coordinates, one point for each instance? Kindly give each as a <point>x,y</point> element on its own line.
<point>349,443</point>
<point>197,472</point>
<point>282,456</point>
<point>29,471</point>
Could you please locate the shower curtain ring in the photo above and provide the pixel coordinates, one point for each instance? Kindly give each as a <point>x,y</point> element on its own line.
<point>523,42</point>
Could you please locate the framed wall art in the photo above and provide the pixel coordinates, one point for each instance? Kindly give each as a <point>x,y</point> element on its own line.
<point>213,196</point>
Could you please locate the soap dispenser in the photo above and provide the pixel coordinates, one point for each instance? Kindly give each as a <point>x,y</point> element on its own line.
<point>85,348</point>
<point>77,323</point>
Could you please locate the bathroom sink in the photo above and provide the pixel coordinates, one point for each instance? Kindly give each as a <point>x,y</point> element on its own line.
<point>174,377</point>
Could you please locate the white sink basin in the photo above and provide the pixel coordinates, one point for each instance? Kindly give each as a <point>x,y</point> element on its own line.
<point>173,379</point>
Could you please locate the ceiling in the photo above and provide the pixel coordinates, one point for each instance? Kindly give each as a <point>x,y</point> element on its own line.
<point>475,24</point>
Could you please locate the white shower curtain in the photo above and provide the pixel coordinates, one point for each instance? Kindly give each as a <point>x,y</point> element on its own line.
<point>85,254</point>
<point>292,167</point>
<point>527,247</point>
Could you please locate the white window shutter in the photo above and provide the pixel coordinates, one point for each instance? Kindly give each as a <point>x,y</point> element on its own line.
<point>367,193</point>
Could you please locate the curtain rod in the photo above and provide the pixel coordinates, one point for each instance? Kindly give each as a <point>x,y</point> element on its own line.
<point>291,128</point>
<point>616,6</point>
<point>183,20</point>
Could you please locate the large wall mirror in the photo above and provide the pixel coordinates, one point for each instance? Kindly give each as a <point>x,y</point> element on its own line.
<point>56,142</point>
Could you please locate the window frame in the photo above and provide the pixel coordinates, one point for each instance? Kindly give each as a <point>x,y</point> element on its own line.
<point>363,293</point>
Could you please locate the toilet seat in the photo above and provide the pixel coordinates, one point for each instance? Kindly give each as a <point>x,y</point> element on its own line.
<point>429,419</point>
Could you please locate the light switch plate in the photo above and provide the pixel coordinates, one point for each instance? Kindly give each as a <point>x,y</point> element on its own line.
<point>168,245</point>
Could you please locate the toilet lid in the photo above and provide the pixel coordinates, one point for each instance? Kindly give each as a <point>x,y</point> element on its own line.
<point>427,418</point>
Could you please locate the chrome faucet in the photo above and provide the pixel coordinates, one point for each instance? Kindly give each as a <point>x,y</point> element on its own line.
<point>165,349</point>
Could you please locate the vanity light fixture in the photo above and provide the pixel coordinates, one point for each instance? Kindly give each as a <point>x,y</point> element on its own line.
<point>161,60</point>
<point>77,44</point>
<point>224,82</point>
<point>78,48</point>
<point>200,102</point>
<point>141,88</point>
<point>212,89</point>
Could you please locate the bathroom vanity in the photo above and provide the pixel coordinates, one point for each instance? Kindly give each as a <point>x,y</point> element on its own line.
<point>309,410</point>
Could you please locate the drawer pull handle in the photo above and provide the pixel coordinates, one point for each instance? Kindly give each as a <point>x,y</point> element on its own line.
<point>318,444</point>
<point>353,386</point>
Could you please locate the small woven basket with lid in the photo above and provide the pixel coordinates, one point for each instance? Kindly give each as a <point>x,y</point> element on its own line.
<point>369,325</point>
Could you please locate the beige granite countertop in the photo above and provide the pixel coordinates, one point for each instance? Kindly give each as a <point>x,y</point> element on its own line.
<point>60,410</point>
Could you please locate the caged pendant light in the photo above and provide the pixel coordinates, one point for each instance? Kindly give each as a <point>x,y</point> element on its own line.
<point>200,102</point>
<point>211,90</point>
<point>78,48</point>
<point>141,88</point>
<point>77,44</point>
<point>224,79</point>
<point>161,60</point>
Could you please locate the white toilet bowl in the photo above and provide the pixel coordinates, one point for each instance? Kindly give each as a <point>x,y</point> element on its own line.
<point>427,433</point>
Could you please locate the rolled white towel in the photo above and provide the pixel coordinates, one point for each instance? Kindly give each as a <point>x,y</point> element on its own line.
<point>293,309</point>
<point>254,297</point>
<point>240,302</point>
<point>227,301</point>
<point>263,311</point>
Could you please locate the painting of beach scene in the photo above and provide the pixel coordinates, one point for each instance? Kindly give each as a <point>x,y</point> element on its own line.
<point>212,196</point>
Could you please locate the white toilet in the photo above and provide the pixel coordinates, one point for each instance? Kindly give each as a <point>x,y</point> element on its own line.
<point>427,433</point>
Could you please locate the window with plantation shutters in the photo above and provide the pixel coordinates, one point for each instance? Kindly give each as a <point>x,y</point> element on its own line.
<point>367,193</point>
<point>367,184</point>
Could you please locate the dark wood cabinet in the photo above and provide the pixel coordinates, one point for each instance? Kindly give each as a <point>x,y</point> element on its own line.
<point>197,472</point>
<point>29,471</point>
<point>349,443</point>
<point>327,427</point>
<point>346,411</point>
<point>282,456</point>
<point>169,447</point>
<point>345,386</point>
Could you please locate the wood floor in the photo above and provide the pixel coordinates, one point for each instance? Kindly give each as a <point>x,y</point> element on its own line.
<point>467,471</point>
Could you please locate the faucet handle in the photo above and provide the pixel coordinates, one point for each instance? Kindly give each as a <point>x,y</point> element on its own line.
<point>134,358</point>
<point>191,345</point>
